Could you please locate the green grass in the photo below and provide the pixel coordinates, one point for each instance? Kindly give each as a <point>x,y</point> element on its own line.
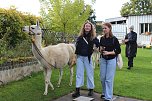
<point>31,88</point>
<point>135,83</point>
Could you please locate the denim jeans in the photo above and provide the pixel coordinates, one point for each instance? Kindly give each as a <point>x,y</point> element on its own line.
<point>107,73</point>
<point>81,64</point>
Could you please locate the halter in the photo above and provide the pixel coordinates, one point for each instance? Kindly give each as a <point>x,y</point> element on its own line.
<point>30,31</point>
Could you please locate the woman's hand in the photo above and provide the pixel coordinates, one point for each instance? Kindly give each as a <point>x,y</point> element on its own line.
<point>108,53</point>
<point>105,52</point>
<point>102,49</point>
<point>126,40</point>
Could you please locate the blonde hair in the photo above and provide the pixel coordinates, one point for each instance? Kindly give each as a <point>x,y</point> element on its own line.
<point>92,31</point>
<point>110,27</point>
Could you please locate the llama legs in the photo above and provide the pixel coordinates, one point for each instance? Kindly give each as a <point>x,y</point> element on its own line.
<point>47,75</point>
<point>60,76</point>
<point>71,76</point>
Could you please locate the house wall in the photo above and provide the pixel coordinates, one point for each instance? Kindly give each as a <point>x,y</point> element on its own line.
<point>136,20</point>
<point>118,29</point>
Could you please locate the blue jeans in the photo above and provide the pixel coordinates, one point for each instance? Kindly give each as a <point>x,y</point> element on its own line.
<point>107,73</point>
<point>81,64</point>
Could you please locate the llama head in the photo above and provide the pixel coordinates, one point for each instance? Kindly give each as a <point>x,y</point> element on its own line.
<point>33,29</point>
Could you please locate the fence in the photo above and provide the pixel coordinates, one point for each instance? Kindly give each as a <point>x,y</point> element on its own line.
<point>57,37</point>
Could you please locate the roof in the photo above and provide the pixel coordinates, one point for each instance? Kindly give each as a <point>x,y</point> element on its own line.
<point>116,19</point>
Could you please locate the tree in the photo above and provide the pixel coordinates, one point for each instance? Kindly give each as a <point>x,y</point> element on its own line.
<point>64,16</point>
<point>92,17</point>
<point>136,7</point>
<point>99,29</point>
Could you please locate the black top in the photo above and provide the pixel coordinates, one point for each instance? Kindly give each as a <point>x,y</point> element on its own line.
<point>132,37</point>
<point>131,45</point>
<point>110,44</point>
<point>85,49</point>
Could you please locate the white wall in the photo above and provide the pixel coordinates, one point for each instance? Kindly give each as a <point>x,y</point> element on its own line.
<point>119,30</point>
<point>136,20</point>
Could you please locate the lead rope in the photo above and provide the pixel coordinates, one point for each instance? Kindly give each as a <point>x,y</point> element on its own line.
<point>38,51</point>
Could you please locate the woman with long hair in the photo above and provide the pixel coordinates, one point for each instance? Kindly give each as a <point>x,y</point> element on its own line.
<point>109,48</point>
<point>84,49</point>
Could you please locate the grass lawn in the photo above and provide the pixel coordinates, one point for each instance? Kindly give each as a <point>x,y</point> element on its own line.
<point>135,83</point>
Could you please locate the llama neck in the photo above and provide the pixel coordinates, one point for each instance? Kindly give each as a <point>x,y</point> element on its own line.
<point>38,40</point>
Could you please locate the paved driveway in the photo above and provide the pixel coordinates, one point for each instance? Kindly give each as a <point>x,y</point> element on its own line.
<point>96,97</point>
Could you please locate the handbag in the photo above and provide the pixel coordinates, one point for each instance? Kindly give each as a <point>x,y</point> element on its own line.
<point>119,61</point>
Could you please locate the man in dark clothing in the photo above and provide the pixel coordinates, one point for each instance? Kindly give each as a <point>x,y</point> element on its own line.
<point>131,46</point>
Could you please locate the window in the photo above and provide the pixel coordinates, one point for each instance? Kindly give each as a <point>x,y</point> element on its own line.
<point>150,27</point>
<point>113,22</point>
<point>141,28</point>
<point>145,27</point>
<point>119,22</point>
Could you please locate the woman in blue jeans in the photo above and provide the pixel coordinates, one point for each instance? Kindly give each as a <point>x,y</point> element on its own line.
<point>109,48</point>
<point>84,49</point>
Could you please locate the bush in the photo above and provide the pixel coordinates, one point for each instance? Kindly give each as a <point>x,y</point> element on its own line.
<point>11,23</point>
<point>13,42</point>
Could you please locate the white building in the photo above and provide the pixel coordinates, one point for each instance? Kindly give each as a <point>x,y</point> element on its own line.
<point>142,25</point>
<point>119,26</point>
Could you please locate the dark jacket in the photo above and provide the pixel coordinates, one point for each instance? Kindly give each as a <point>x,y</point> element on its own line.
<point>110,44</point>
<point>131,45</point>
<point>84,49</point>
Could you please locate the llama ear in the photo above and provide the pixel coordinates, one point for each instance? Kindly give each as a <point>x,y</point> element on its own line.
<point>37,22</point>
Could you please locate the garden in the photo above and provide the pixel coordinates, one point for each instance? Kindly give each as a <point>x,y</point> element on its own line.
<point>134,83</point>
<point>15,48</point>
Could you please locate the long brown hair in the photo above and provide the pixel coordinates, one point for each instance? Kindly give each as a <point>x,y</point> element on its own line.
<point>92,31</point>
<point>110,27</point>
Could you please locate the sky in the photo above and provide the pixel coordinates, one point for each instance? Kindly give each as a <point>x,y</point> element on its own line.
<point>104,9</point>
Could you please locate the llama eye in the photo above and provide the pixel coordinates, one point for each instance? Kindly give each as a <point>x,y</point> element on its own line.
<point>32,27</point>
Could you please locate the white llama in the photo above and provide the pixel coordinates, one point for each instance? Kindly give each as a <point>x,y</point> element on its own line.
<point>53,56</point>
<point>96,54</point>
